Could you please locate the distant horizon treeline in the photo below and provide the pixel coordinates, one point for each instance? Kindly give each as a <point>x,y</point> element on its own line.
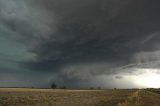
<point>55,86</point>
<point>84,88</point>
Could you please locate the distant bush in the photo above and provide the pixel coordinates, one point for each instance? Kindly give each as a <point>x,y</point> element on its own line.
<point>91,88</point>
<point>99,88</point>
<point>153,90</point>
<point>53,86</point>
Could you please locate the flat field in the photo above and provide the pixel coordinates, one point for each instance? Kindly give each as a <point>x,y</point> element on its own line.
<point>49,97</point>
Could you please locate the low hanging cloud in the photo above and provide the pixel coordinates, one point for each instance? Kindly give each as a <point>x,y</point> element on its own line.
<point>79,40</point>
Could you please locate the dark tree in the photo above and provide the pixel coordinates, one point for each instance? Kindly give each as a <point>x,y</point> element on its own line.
<point>53,86</point>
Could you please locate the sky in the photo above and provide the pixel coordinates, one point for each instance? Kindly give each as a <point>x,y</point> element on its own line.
<point>80,43</point>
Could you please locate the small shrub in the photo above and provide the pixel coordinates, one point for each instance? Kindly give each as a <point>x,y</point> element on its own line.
<point>53,86</point>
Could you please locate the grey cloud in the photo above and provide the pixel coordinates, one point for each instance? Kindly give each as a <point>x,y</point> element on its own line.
<point>112,32</point>
<point>25,79</point>
<point>86,72</point>
<point>78,39</point>
<point>118,77</point>
<point>25,21</point>
<point>144,57</point>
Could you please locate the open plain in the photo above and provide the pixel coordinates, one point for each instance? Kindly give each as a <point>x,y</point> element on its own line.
<point>56,97</point>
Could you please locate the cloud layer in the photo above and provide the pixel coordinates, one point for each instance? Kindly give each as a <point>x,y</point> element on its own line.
<point>78,41</point>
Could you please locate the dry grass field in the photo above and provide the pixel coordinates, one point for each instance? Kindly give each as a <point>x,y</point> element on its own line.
<point>49,97</point>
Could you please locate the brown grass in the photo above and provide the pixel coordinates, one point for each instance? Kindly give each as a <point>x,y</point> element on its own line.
<point>49,97</point>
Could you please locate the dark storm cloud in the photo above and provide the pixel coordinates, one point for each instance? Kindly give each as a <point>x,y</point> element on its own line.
<point>100,31</point>
<point>80,40</point>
